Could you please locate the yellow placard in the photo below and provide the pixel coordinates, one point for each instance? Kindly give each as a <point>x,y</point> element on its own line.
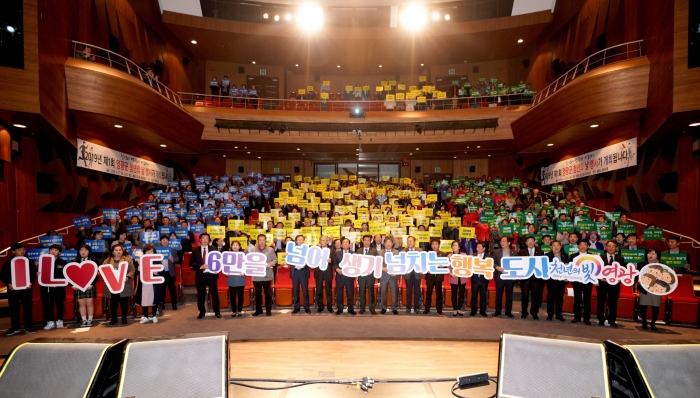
<point>466,232</point>
<point>421,99</point>
<point>422,78</point>
<point>301,91</point>
<point>401,87</point>
<point>353,177</point>
<point>383,82</point>
<point>422,236</point>
<point>387,87</point>
<point>377,228</point>
<point>390,97</point>
<point>322,221</point>
<point>400,96</point>
<point>398,232</point>
<point>242,240</point>
<point>264,217</point>
<point>288,224</point>
<point>392,82</point>
<point>348,88</point>
<point>435,232</point>
<point>333,231</point>
<point>454,222</point>
<point>431,198</point>
<point>344,177</point>
<point>412,88</point>
<point>358,89</point>
<point>441,95</point>
<point>334,176</point>
<point>281,258</point>
<point>294,216</point>
<point>216,231</point>
<point>297,178</point>
<point>446,245</point>
<point>310,88</point>
<point>380,191</point>
<point>327,83</point>
<point>365,87</point>
<point>324,95</point>
<point>292,200</point>
<point>286,185</point>
<point>279,233</point>
<point>307,179</point>
<point>379,88</point>
<point>236,225</point>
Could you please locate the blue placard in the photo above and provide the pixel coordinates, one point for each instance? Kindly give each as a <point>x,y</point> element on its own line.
<point>191,217</point>
<point>181,212</point>
<point>149,237</point>
<point>225,195</point>
<point>208,213</point>
<point>110,214</point>
<point>209,202</point>
<point>129,248</point>
<point>106,232</point>
<point>226,211</point>
<point>190,196</point>
<point>199,179</point>
<point>236,177</point>
<point>173,184</point>
<point>96,246</point>
<point>197,228</point>
<point>163,206</point>
<point>133,212</point>
<point>224,179</point>
<point>175,244</point>
<point>164,250</point>
<point>34,254</point>
<point>148,205</point>
<point>244,203</point>
<point>251,174</point>
<point>237,212</point>
<point>82,222</point>
<point>165,230</point>
<point>200,187</point>
<point>181,233</point>
<point>68,255</point>
<point>150,214</point>
<point>156,193</point>
<point>132,229</point>
<point>170,214</point>
<point>46,241</point>
<point>184,183</point>
<point>207,179</point>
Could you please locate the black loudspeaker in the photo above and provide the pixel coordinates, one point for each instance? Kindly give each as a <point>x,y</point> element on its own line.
<point>114,43</point>
<point>574,367</point>
<point>241,169</point>
<point>472,169</point>
<point>241,70</point>
<point>526,63</point>
<point>193,161</point>
<point>601,41</point>
<point>168,162</point>
<point>545,162</point>
<point>163,359</point>
<point>668,182</point>
<point>317,78</point>
<point>475,69</point>
<point>519,162</point>
<point>63,368</point>
<point>653,368</point>
<point>296,170</point>
<point>45,183</point>
<point>417,169</point>
<point>556,67</point>
<point>185,61</point>
<point>158,68</point>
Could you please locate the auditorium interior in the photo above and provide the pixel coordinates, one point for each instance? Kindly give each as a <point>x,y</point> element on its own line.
<point>394,184</point>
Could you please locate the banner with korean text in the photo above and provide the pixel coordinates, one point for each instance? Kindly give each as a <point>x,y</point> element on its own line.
<point>613,157</point>
<point>96,157</point>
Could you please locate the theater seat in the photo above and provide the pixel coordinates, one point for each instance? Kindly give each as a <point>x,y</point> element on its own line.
<point>683,304</point>
<point>491,302</point>
<point>178,286</point>
<point>568,305</point>
<point>188,274</point>
<point>447,292</point>
<point>627,302</point>
<point>282,292</point>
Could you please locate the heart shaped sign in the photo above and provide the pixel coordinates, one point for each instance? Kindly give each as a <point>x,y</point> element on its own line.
<point>80,275</point>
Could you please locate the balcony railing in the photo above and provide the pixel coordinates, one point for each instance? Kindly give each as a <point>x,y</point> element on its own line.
<point>116,61</point>
<point>621,52</point>
<point>332,105</point>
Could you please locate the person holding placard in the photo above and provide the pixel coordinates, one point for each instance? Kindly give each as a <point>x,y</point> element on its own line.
<point>203,279</point>
<point>86,303</point>
<point>673,243</point>
<point>647,299</point>
<point>169,272</point>
<point>609,293</point>
<point>582,291</point>
<point>148,295</point>
<point>503,285</point>
<point>51,296</point>
<point>236,286</point>
<point>324,277</point>
<point>21,297</point>
<point>413,281</point>
<point>555,288</point>
<point>532,286</point>
<point>120,300</point>
<point>343,282</point>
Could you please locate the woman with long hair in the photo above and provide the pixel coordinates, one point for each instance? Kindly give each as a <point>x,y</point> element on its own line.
<point>86,303</point>
<point>149,295</point>
<point>118,255</point>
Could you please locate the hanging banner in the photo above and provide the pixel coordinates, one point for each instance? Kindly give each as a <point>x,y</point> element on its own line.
<point>96,157</point>
<point>613,157</point>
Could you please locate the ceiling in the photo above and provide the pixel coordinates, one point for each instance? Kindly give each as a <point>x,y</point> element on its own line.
<point>357,50</point>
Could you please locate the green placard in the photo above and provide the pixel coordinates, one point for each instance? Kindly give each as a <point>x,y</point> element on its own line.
<point>585,226</point>
<point>524,190</point>
<point>653,234</point>
<point>538,237</point>
<point>565,226</point>
<point>530,218</point>
<point>633,256</point>
<point>605,234</point>
<point>612,215</point>
<point>627,228</point>
<point>472,208</point>
<point>570,249</point>
<point>506,229</point>
<point>674,260</point>
<point>557,189</point>
<point>488,213</point>
<point>595,251</point>
<point>546,248</point>
<point>486,219</point>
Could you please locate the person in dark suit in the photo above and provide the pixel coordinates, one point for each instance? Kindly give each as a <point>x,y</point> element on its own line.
<point>606,291</point>
<point>204,279</point>
<point>367,282</point>
<point>434,281</point>
<point>503,285</point>
<point>412,279</point>
<point>169,273</point>
<point>479,282</point>
<point>532,286</point>
<point>300,278</point>
<point>324,277</point>
<point>22,297</point>
<point>582,291</point>
<point>342,281</point>
<point>555,288</point>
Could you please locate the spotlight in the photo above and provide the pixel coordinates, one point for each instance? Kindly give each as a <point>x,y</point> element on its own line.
<point>338,66</point>
<point>297,65</point>
<point>265,16</point>
<point>310,17</point>
<point>380,66</point>
<point>550,144</point>
<point>447,17</point>
<point>194,42</point>
<point>520,40</point>
<point>422,64</point>
<point>163,146</point>
<point>594,126</point>
<point>357,112</point>
<point>20,126</point>
<point>694,124</point>
<point>253,62</point>
<point>436,16</point>
<point>118,126</point>
<point>10,29</point>
<point>283,129</point>
<point>414,17</point>
<point>419,130</point>
<point>277,18</point>
<point>288,17</point>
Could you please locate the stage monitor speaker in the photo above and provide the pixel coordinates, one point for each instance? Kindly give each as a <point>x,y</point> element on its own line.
<point>154,367</point>
<point>296,169</point>
<point>475,69</point>
<point>185,61</point>
<point>417,169</point>
<point>472,169</point>
<point>654,368</point>
<point>573,368</point>
<point>63,368</point>
<point>241,169</point>
<point>526,62</point>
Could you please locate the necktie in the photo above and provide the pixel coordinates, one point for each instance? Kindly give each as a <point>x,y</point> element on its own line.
<point>609,259</point>
<point>204,255</point>
<point>532,252</point>
<point>366,251</point>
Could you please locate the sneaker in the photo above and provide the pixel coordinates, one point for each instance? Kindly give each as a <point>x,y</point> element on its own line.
<point>30,331</point>
<point>413,311</point>
<point>144,319</point>
<point>155,319</point>
<point>59,324</point>
<point>11,332</point>
<point>84,323</point>
<point>88,323</point>
<point>50,325</point>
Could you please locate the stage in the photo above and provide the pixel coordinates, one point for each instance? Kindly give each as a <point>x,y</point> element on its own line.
<point>328,346</point>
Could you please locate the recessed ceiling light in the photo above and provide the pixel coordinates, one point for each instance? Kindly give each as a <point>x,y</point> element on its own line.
<point>357,149</point>
<point>520,40</point>
<point>594,126</point>
<point>489,155</point>
<point>422,64</point>
<point>163,145</point>
<point>467,147</point>
<point>248,152</point>
<point>411,153</point>
<point>224,155</point>
<point>194,41</point>
<point>253,62</point>
<point>21,126</point>
<point>436,16</point>
<point>380,66</point>
<point>455,157</point>
<point>417,149</point>
<point>297,65</point>
<point>338,66</point>
<point>357,154</point>
<point>236,147</point>
<point>691,125</point>
<point>118,126</point>
<point>478,146</point>
<point>303,154</point>
<point>298,149</point>
<point>550,144</point>
<point>265,15</point>
<point>258,157</point>
<point>288,17</point>
<point>447,17</point>
<point>277,17</point>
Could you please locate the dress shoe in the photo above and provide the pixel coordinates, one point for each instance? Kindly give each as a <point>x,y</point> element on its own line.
<point>234,315</point>
<point>484,314</point>
<point>535,317</point>
<point>524,316</point>
<point>295,311</point>
<point>601,323</point>
<point>495,314</point>
<point>269,313</point>
<point>373,312</point>
<point>614,325</point>
<point>123,321</point>
<point>653,327</point>
<point>330,310</point>
<point>460,313</point>
<point>560,318</point>
<point>549,318</point>
<point>308,311</point>
<point>217,315</point>
<point>472,313</point>
<point>587,322</point>
<point>256,313</point>
<point>454,313</point>
<point>362,312</point>
<point>509,315</point>
<point>240,314</point>
<point>440,313</point>
<point>320,310</point>
<point>425,312</point>
<point>200,316</point>
<point>352,312</point>
<point>395,312</point>
<point>113,322</point>
<point>174,307</point>
<point>382,312</point>
<point>644,326</point>
<point>576,320</point>
<point>338,312</point>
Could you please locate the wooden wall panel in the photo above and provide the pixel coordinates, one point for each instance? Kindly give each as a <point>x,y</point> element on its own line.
<point>505,166</point>
<point>487,69</point>
<point>230,69</point>
<point>460,167</point>
<point>232,166</point>
<point>286,166</point>
<point>686,82</point>
<point>297,80</point>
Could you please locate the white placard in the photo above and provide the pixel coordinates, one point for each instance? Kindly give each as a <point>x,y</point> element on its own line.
<point>613,157</point>
<point>96,157</point>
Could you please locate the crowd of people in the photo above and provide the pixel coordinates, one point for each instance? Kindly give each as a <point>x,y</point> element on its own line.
<point>347,214</point>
